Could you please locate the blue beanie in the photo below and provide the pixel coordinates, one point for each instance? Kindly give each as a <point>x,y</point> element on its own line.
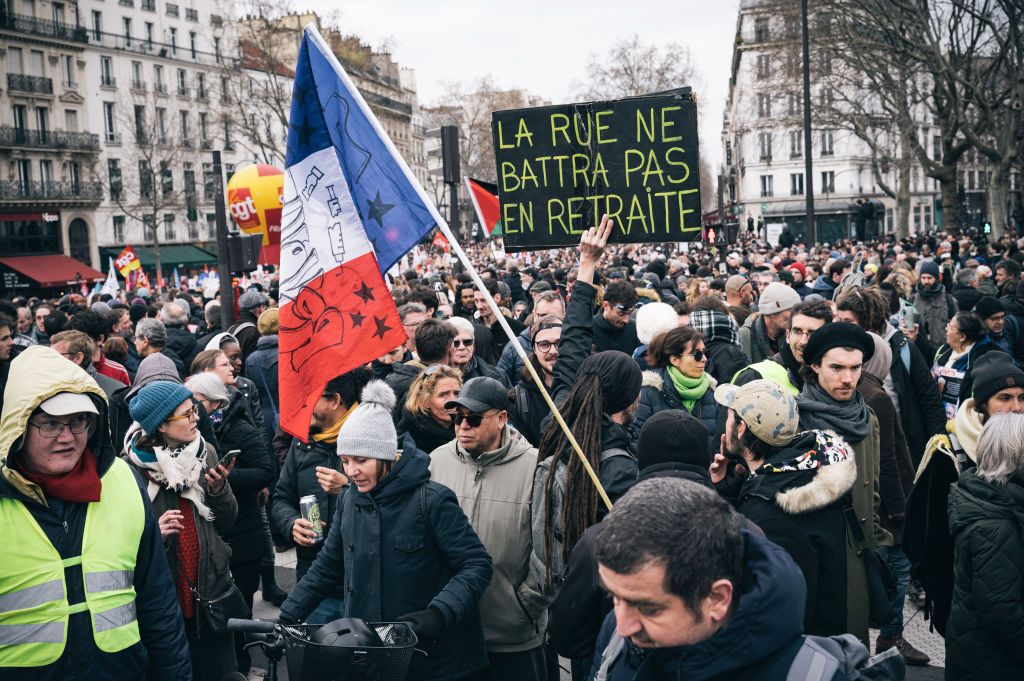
<point>155,402</point>
<point>929,267</point>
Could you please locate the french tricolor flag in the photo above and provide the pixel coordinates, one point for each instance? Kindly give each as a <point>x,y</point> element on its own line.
<point>351,210</point>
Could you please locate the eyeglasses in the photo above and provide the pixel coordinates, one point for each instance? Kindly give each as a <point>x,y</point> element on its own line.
<point>546,346</point>
<point>462,343</point>
<point>192,413</point>
<point>474,420</point>
<point>53,429</point>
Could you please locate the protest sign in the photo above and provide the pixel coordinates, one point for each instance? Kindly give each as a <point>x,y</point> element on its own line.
<point>560,168</point>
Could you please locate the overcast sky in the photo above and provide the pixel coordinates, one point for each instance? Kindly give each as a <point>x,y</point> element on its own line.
<point>542,45</point>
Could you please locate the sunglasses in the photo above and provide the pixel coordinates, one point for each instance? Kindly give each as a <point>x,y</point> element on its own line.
<point>474,420</point>
<point>462,343</point>
<point>623,309</point>
<point>698,355</point>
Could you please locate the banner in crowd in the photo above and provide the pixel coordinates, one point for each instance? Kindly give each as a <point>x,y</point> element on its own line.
<point>127,261</point>
<point>560,168</point>
<point>110,285</point>
<point>350,212</point>
<point>255,197</point>
<point>484,196</point>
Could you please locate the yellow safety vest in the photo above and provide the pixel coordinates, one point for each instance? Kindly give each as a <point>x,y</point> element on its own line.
<point>34,608</point>
<point>774,372</point>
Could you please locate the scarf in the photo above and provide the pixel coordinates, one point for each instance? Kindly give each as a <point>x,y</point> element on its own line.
<point>818,411</point>
<point>80,485</point>
<point>827,450</point>
<point>330,436</point>
<point>690,390</point>
<point>178,469</point>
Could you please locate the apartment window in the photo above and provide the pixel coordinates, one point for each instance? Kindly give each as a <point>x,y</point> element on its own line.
<point>208,188</point>
<point>728,153</point>
<point>227,136</point>
<point>216,48</point>
<point>970,180</point>
<point>765,140</point>
<point>58,12</point>
<point>204,126</point>
<point>211,225</point>
<point>161,124</point>
<point>192,43</point>
<point>174,40</point>
<point>826,63</point>
<point>149,5</point>
<point>763,66</point>
<point>46,172</point>
<point>166,179</point>
<point>36,63</point>
<point>24,174</point>
<point>767,185</point>
<point>149,34</point>
<point>172,9</point>
<point>828,181</point>
<point>761,30</point>
<point>140,124</point>
<point>70,120</point>
<point>149,228</point>
<point>114,178</point>
<point>145,180</point>
<point>107,72</point>
<point>137,75</point>
<point>184,124</point>
<point>182,82</point>
<point>169,226</point>
<point>97,26</point>
<point>191,15</point>
<point>764,105</point>
<point>826,143</point>
<point>795,104</point>
<point>108,121</point>
<point>225,92</point>
<point>796,184</point>
<point>936,148</point>
<point>825,23</point>
<point>127,31</point>
<point>69,71</point>
<point>796,144</point>
<point>827,97</point>
<point>42,121</point>
<point>119,229</point>
<point>200,86</point>
<point>193,231</point>
<point>793,27</point>
<point>158,79</point>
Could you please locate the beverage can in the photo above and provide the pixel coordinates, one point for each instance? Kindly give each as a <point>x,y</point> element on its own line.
<point>310,510</point>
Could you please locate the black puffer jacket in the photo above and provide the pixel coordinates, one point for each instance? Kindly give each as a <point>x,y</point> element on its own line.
<point>401,377</point>
<point>253,471</point>
<point>426,432</point>
<point>608,337</point>
<point>985,633</point>
<point>658,394</point>
<point>298,479</point>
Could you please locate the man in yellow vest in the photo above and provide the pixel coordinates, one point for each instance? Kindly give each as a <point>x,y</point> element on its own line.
<point>85,591</point>
<point>784,368</point>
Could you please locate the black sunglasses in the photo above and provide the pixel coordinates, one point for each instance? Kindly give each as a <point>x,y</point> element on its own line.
<point>474,420</point>
<point>698,355</point>
<point>623,309</point>
<point>462,343</point>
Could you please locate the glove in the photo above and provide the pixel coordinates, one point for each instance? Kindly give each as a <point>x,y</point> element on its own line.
<point>286,619</point>
<point>426,624</point>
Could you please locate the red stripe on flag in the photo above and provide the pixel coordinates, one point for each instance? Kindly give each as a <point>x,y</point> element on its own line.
<point>339,321</point>
<point>486,204</point>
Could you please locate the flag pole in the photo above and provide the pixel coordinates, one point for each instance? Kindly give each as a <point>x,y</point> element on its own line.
<point>315,36</point>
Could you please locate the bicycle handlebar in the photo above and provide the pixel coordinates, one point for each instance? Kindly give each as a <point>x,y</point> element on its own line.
<point>251,626</point>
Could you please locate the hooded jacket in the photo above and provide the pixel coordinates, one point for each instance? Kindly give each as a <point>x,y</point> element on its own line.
<point>495,491</point>
<point>390,560</point>
<point>936,307</point>
<point>824,286</point>
<point>985,635</point>
<point>40,374</point>
<point>757,643</point>
<point>801,510</point>
<point>658,394</point>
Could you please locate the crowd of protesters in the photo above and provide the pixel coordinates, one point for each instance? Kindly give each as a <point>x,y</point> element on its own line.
<point>758,437</point>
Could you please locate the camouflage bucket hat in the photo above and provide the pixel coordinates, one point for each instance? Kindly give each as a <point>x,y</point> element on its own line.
<point>768,410</point>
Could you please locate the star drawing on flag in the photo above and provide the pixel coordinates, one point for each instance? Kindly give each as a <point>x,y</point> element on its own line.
<point>365,292</point>
<point>303,132</point>
<point>382,328</point>
<point>357,319</point>
<point>378,208</point>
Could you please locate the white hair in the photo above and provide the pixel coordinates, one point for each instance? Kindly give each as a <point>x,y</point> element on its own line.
<point>1000,450</point>
<point>174,313</point>
<point>209,385</point>
<point>461,325</point>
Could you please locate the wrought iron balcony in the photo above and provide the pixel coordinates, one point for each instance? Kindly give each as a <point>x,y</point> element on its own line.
<point>186,142</point>
<point>22,23</point>
<point>160,88</point>
<point>206,144</point>
<point>62,191</point>
<point>48,139</point>
<point>19,82</point>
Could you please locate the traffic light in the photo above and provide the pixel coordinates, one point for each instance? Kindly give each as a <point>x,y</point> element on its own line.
<point>244,251</point>
<point>986,229</point>
<point>450,154</point>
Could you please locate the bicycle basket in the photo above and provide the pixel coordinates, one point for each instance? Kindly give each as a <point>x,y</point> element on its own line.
<point>308,661</point>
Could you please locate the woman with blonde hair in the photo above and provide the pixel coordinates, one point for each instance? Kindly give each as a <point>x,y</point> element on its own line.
<point>424,416</point>
<point>697,287</point>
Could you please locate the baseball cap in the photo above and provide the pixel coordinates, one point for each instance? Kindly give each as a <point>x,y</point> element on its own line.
<point>734,283</point>
<point>540,286</point>
<point>66,403</point>
<point>769,411</point>
<point>481,394</point>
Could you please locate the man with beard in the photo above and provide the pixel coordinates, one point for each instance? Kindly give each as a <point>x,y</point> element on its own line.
<point>760,334</point>
<point>784,368</point>
<point>794,492</point>
<point>834,358</point>
<point>935,305</point>
<point>613,329</point>
<point>528,408</point>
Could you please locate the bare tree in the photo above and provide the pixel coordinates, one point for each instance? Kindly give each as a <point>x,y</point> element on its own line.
<point>632,67</point>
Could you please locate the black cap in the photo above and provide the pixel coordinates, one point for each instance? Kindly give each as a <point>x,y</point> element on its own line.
<point>992,372</point>
<point>481,394</point>
<point>673,436</point>
<point>988,306</point>
<point>838,335</point>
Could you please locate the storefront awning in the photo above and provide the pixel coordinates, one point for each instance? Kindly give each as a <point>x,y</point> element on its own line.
<point>821,207</point>
<point>52,271</point>
<point>171,255</point>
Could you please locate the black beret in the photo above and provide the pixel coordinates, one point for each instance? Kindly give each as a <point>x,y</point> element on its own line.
<point>838,335</point>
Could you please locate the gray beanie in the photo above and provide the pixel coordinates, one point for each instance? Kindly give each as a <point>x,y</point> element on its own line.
<point>369,431</point>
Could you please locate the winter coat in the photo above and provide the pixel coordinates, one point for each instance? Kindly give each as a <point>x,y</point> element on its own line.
<point>425,431</point>
<point>495,490</point>
<point>401,377</point>
<point>510,366</point>
<point>477,367</point>
<point>528,410</point>
<point>936,308</point>
<point>608,337</point>
<point>985,635</point>
<point>824,286</point>
<point>896,470</point>
<point>253,471</point>
<point>247,332</point>
<point>802,511</point>
<point>183,344</point>
<point>298,479</point>
<point>658,394</point>
<point>966,297</point>
<point>164,647</point>
<point>754,340</point>
<point>726,359</point>
<point>757,643</point>
<point>391,560</point>
<point>108,385</point>
<point>958,380</point>
<point>261,370</point>
<point>920,406</point>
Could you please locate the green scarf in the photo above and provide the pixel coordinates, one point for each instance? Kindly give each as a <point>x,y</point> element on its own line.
<point>690,390</point>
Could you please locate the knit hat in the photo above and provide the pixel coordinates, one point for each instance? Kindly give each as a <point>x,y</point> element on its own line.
<point>209,385</point>
<point>653,318</point>
<point>799,267</point>
<point>988,306</point>
<point>619,375</point>
<point>252,298</point>
<point>929,267</point>
<point>769,412</point>
<point>267,322</point>
<point>369,431</point>
<point>777,297</point>
<point>837,335</point>
<point>673,436</point>
<point>995,371</point>
<point>155,402</point>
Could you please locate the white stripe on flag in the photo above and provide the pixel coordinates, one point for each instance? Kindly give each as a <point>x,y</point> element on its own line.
<point>320,227</point>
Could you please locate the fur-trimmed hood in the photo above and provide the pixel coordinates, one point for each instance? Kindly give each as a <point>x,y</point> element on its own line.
<point>813,472</point>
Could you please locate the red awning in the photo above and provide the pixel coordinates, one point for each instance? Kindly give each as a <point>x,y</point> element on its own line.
<point>52,271</point>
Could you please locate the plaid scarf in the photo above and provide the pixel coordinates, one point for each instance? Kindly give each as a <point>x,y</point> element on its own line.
<point>715,325</point>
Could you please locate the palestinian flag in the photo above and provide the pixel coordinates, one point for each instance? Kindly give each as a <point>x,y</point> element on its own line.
<point>485,201</point>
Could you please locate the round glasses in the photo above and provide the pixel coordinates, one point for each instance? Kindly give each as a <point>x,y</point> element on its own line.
<point>192,413</point>
<point>53,428</point>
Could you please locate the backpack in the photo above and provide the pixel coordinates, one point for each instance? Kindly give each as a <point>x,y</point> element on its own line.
<point>820,657</point>
<point>234,329</point>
